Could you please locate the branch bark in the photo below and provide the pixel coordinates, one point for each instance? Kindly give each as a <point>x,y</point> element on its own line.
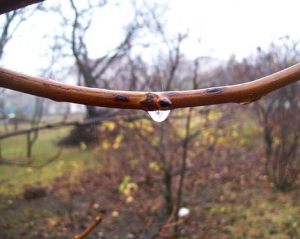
<point>10,5</point>
<point>97,221</point>
<point>149,101</point>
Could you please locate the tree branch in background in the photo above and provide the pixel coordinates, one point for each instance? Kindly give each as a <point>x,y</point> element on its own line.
<point>10,5</point>
<point>149,101</point>
<point>86,122</point>
<point>11,23</point>
<point>97,220</point>
<point>29,164</point>
<point>169,224</point>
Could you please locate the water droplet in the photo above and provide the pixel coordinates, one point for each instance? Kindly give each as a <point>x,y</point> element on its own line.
<point>159,115</point>
<point>245,102</point>
<point>250,100</point>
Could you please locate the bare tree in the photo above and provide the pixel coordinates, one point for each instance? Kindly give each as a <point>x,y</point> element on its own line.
<point>94,72</point>
<point>105,71</point>
<point>278,113</point>
<point>10,22</point>
<point>32,135</point>
<point>163,153</point>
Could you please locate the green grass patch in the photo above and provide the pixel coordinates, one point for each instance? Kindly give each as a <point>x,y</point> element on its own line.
<point>13,178</point>
<point>263,217</point>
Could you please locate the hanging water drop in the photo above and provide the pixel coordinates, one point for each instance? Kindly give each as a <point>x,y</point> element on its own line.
<point>159,115</point>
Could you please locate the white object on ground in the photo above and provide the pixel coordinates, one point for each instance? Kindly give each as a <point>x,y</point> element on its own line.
<point>183,211</point>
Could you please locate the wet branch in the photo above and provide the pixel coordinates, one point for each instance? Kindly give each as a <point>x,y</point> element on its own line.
<point>149,101</point>
<point>10,5</point>
<point>97,221</point>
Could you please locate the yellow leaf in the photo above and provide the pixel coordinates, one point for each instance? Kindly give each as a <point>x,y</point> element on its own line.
<point>110,125</point>
<point>83,146</point>
<point>126,191</point>
<point>154,166</point>
<point>52,222</point>
<point>117,142</point>
<point>129,199</point>
<point>29,169</point>
<point>115,214</point>
<point>132,186</point>
<point>105,145</point>
<point>133,163</point>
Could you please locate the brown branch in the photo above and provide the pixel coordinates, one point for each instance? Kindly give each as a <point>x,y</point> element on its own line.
<point>168,235</point>
<point>86,122</point>
<point>97,220</point>
<point>48,126</point>
<point>10,5</point>
<point>149,101</point>
<point>169,224</point>
<point>29,164</point>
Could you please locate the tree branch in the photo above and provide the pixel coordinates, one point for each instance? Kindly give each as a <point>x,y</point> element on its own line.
<point>97,220</point>
<point>29,164</point>
<point>86,122</point>
<point>10,5</point>
<point>149,101</point>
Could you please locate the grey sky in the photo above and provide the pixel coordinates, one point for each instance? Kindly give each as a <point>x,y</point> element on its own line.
<point>225,27</point>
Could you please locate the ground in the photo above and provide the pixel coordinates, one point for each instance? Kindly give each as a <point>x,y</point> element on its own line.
<point>226,189</point>
<point>234,201</point>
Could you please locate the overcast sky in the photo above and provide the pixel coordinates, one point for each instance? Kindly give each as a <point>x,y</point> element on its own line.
<point>225,27</point>
<point>235,26</point>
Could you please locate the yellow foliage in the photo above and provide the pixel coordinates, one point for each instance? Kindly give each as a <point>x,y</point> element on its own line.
<point>115,213</point>
<point>295,224</point>
<point>154,166</point>
<point>52,222</point>
<point>147,126</point>
<point>129,199</point>
<point>132,186</point>
<point>155,141</point>
<point>221,140</point>
<point>276,140</point>
<point>213,115</point>
<point>29,169</point>
<point>75,165</point>
<point>117,142</point>
<point>83,146</point>
<point>59,165</point>
<point>126,191</point>
<point>133,163</point>
<point>105,145</point>
<point>234,134</point>
<point>110,125</point>
<point>211,139</point>
<point>126,188</point>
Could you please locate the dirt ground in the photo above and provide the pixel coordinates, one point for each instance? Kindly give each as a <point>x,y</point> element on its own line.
<point>227,200</point>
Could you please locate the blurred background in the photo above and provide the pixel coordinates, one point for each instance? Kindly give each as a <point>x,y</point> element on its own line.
<point>234,167</point>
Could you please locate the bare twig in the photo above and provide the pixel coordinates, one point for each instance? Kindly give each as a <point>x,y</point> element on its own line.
<point>149,101</point>
<point>161,233</point>
<point>47,126</point>
<point>97,221</point>
<point>86,122</point>
<point>29,164</point>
